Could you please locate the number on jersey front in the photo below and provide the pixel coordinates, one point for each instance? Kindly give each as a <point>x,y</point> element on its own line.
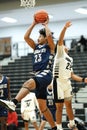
<point>68,67</point>
<point>38,58</point>
<point>1,92</point>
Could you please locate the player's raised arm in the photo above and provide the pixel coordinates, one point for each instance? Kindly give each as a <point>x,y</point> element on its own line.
<point>61,37</point>
<point>27,38</point>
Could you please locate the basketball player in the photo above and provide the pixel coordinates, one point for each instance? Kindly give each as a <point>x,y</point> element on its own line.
<point>4,94</point>
<point>51,106</point>
<point>28,106</point>
<point>42,65</point>
<point>62,72</point>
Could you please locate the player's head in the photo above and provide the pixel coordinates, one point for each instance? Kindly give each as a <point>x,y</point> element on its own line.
<point>42,37</point>
<point>42,32</point>
<point>66,49</point>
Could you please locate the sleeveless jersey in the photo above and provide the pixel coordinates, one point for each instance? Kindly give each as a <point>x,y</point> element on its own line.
<point>50,99</point>
<point>62,64</point>
<point>3,95</point>
<point>3,88</point>
<point>29,102</point>
<point>42,59</point>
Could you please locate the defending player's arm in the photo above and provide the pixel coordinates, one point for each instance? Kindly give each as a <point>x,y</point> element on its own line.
<point>60,49</point>
<point>78,78</point>
<point>27,38</point>
<point>62,34</point>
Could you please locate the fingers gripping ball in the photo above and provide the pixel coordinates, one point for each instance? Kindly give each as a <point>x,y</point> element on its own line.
<point>41,16</point>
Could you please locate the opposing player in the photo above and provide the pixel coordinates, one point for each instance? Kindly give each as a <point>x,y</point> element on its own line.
<point>4,94</point>
<point>62,72</point>
<point>42,65</point>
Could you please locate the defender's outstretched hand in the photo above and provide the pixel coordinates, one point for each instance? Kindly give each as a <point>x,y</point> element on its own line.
<point>68,24</point>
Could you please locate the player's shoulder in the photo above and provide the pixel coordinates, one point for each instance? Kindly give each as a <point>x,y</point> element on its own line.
<point>7,78</point>
<point>71,58</point>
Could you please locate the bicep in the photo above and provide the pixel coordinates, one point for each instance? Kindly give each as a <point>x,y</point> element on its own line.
<point>30,42</point>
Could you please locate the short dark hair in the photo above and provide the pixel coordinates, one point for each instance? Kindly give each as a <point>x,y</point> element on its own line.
<point>42,32</point>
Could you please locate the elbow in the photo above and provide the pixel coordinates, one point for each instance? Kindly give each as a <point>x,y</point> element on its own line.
<point>25,38</point>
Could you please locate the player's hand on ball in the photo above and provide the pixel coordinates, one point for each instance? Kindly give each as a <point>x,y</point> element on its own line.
<point>46,22</point>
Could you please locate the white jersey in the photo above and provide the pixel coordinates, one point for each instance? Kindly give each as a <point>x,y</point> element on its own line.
<point>62,64</point>
<point>29,102</point>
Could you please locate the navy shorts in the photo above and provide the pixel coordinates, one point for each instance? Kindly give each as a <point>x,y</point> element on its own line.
<point>42,79</point>
<point>3,111</point>
<point>53,112</point>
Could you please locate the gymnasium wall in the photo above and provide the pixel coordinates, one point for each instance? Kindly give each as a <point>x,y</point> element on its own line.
<point>78,28</point>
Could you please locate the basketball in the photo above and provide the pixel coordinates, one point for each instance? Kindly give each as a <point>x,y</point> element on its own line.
<point>41,16</point>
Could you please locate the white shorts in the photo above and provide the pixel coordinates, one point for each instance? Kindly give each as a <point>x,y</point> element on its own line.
<point>62,89</point>
<point>29,115</point>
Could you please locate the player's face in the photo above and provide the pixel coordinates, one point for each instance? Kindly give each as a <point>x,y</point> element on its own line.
<point>42,39</point>
<point>66,49</point>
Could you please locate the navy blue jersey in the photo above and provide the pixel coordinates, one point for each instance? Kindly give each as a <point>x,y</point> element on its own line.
<point>3,95</point>
<point>50,99</point>
<point>3,88</point>
<point>42,59</point>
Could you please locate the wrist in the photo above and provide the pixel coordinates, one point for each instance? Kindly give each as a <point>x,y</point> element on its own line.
<point>65,27</point>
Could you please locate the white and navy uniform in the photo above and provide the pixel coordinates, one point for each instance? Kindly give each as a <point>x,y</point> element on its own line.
<point>42,67</point>
<point>62,70</point>
<point>50,103</point>
<point>3,95</point>
<point>28,106</point>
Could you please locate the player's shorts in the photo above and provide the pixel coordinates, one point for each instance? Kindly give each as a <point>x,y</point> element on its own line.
<point>62,90</point>
<point>3,112</point>
<point>53,112</point>
<point>29,116</point>
<point>42,79</point>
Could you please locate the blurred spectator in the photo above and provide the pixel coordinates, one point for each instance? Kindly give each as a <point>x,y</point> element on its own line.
<point>73,45</point>
<point>82,44</point>
<point>4,94</point>
<point>80,124</point>
<point>12,120</point>
<point>28,106</point>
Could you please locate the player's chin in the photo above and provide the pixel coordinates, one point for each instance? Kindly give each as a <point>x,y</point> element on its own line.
<point>39,42</point>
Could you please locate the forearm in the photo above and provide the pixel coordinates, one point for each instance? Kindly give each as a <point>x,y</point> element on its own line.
<point>77,78</point>
<point>50,39</point>
<point>28,32</point>
<point>48,32</point>
<point>61,37</point>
